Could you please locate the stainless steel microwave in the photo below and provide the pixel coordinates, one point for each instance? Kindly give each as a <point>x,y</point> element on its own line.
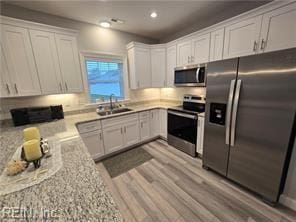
<point>193,75</point>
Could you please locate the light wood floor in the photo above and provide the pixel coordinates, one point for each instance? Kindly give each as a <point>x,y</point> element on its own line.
<point>174,187</point>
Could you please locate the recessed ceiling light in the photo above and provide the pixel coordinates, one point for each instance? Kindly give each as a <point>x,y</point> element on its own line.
<point>105,24</point>
<point>153,15</point>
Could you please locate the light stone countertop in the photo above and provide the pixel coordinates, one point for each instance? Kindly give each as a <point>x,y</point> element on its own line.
<point>77,191</point>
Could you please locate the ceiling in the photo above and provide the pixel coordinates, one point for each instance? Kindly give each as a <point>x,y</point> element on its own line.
<point>173,16</point>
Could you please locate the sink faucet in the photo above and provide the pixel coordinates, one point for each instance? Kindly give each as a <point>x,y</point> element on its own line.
<point>111,105</point>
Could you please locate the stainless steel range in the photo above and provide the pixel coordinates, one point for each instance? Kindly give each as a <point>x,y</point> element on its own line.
<point>182,123</point>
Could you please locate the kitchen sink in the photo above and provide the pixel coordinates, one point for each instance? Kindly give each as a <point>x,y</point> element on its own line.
<point>114,111</point>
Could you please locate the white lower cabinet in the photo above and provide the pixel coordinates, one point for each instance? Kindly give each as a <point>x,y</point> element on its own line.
<point>145,128</point>
<point>131,133</point>
<point>120,132</point>
<point>154,123</point>
<point>200,135</point>
<point>94,143</point>
<point>163,122</point>
<point>107,136</point>
<point>113,138</point>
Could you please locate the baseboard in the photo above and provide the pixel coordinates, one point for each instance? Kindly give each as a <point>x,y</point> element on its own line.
<point>288,202</point>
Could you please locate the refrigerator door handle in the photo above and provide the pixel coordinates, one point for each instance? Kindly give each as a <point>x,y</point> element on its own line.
<point>228,112</point>
<point>234,111</point>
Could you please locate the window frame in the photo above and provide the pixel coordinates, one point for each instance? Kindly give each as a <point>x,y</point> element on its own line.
<point>108,57</point>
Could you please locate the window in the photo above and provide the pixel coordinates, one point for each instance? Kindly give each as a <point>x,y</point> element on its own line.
<point>104,78</point>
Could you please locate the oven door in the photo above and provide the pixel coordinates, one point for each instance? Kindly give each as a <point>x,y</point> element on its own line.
<point>182,131</point>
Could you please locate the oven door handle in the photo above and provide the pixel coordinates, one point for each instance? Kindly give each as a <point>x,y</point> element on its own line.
<point>183,115</point>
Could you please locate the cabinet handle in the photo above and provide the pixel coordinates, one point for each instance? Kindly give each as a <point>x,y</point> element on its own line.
<point>141,124</point>
<point>188,59</point>
<point>7,87</point>
<point>100,136</point>
<point>124,129</point>
<point>121,130</point>
<point>66,86</point>
<point>192,58</point>
<point>61,87</point>
<point>138,83</point>
<point>15,87</point>
<point>152,115</point>
<point>255,46</point>
<point>262,44</point>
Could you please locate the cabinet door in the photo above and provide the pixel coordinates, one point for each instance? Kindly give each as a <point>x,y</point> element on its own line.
<point>163,122</point>
<point>279,29</point>
<point>200,135</point>
<point>171,65</point>
<point>47,63</point>
<point>242,38</point>
<point>5,82</point>
<point>133,78</point>
<point>184,53</point>
<point>158,67</point>
<point>201,49</point>
<point>145,129</point>
<point>94,143</point>
<point>131,133</point>
<point>154,123</point>
<point>113,138</point>
<point>142,67</point>
<point>18,53</point>
<point>69,63</point>
<point>216,47</point>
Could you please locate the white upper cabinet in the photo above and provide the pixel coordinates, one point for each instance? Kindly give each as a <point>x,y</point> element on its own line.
<point>158,67</point>
<point>200,49</point>
<point>279,29</point>
<point>184,56</point>
<point>5,82</point>
<point>242,38</point>
<point>69,63</point>
<point>216,45</point>
<point>139,67</point>
<point>171,56</point>
<point>47,63</point>
<point>18,54</point>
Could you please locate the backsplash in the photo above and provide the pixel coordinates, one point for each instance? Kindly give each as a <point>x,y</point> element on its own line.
<point>177,93</point>
<point>72,102</point>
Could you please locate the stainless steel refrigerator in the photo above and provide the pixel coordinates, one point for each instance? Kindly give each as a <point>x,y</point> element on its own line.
<point>250,120</point>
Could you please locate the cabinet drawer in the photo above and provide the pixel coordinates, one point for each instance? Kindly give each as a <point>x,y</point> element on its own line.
<point>119,120</point>
<point>144,114</point>
<point>89,126</point>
